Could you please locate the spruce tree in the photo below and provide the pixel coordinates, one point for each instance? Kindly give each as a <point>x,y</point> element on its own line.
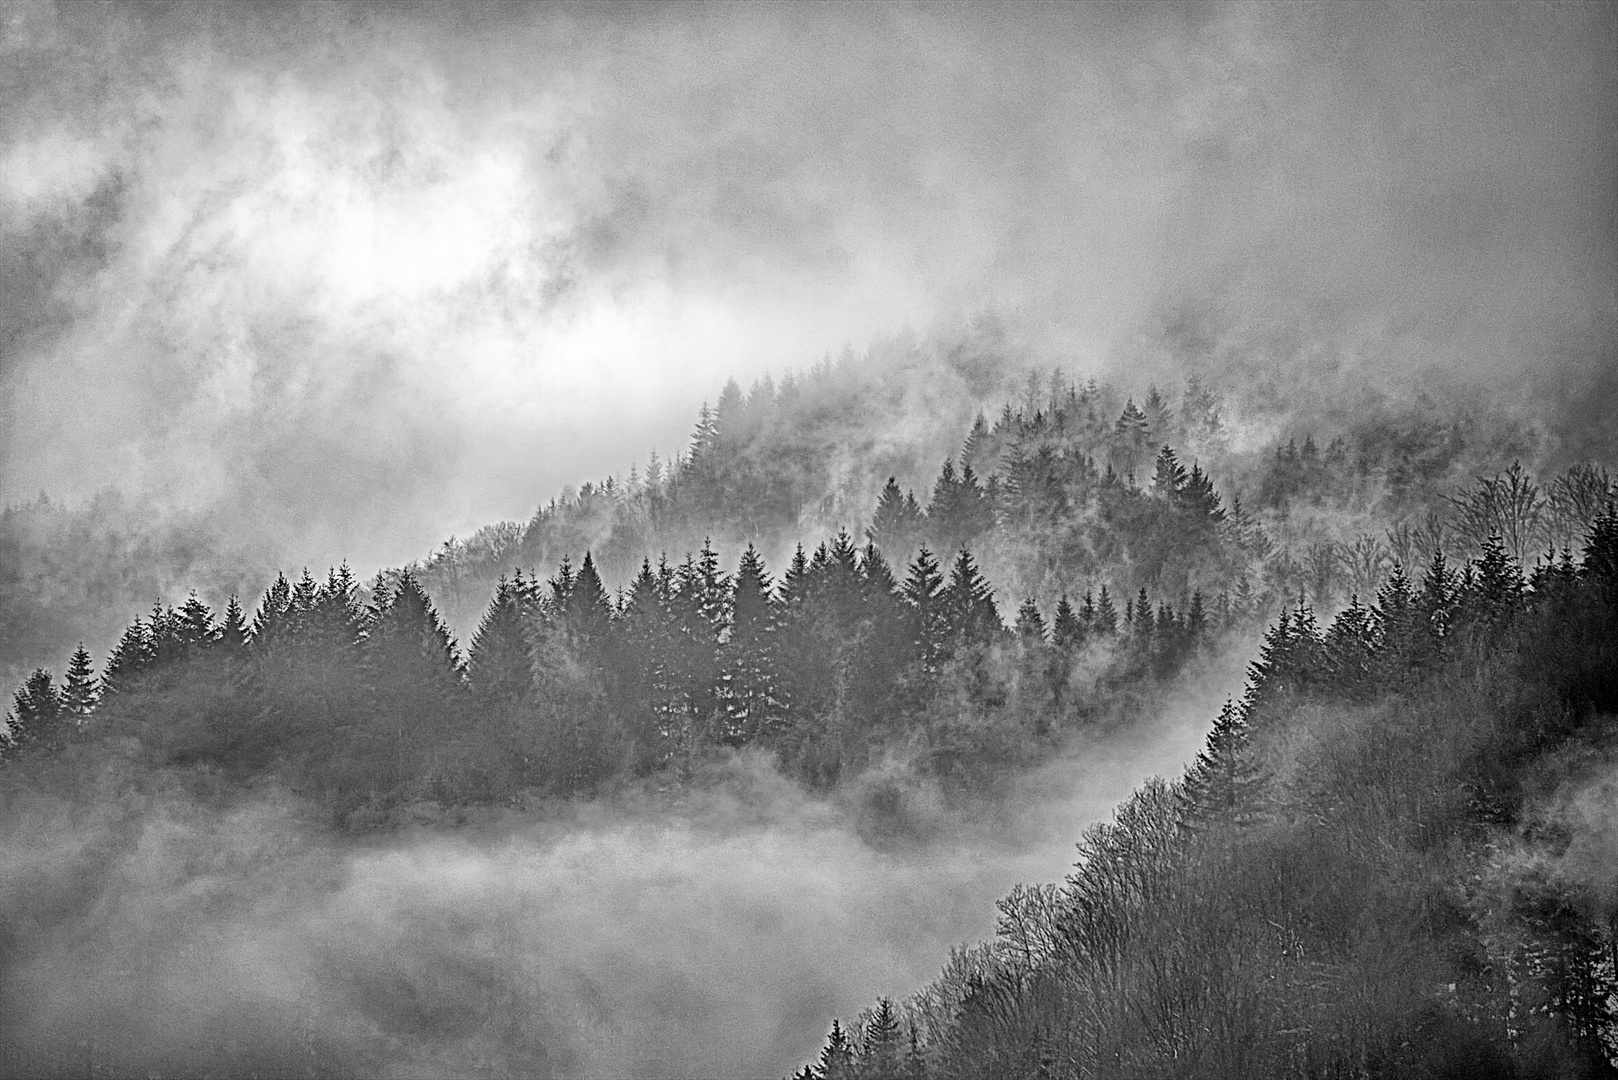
<point>968,602</point>
<point>749,693</point>
<point>270,622</point>
<point>335,620</point>
<point>837,1056</point>
<point>877,574</point>
<point>79,686</point>
<point>880,1050</point>
<point>195,626</point>
<point>1030,626</point>
<point>1068,631</point>
<point>1169,478</point>
<point>923,593</point>
<point>1350,648</point>
<point>233,631</point>
<point>412,679</point>
<point>129,660</point>
<point>1106,621</point>
<point>37,720</point>
<point>498,663</point>
<point>896,525</point>
<point>586,610</point>
<point>1498,591</point>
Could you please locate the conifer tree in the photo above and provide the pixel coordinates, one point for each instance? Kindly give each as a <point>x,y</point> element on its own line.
<point>968,602</point>
<point>1196,619</point>
<point>1106,619</point>
<point>1030,626</point>
<point>498,661</point>
<point>1169,477</point>
<point>880,1048</point>
<point>233,631</point>
<point>195,626</point>
<point>877,574</point>
<point>795,583</point>
<point>1350,648</point>
<point>749,694</point>
<point>1224,782</point>
<point>896,525</point>
<point>36,722</point>
<point>79,686</point>
<point>165,642</point>
<point>923,591</point>
<point>129,660</point>
<point>335,620</point>
<point>1068,631</point>
<point>586,611</point>
<point>270,621</point>
<point>1498,590</point>
<point>1435,607</point>
<point>1397,622</point>
<point>837,1056</point>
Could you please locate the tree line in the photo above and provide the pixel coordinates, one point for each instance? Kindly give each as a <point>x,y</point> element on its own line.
<point>363,698</point>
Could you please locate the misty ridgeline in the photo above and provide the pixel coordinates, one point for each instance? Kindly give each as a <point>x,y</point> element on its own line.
<point>289,838</point>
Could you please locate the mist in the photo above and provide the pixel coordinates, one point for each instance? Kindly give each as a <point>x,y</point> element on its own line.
<point>352,279</point>
<point>709,930</point>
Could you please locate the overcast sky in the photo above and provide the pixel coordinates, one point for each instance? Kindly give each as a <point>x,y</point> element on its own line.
<point>366,276</point>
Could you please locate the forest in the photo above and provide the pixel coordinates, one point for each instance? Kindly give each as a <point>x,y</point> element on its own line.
<point>1391,857</point>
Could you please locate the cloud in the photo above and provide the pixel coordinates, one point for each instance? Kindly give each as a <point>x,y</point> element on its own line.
<point>362,276</point>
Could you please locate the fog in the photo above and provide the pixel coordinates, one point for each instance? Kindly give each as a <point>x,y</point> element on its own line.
<point>353,278</point>
<point>710,931</point>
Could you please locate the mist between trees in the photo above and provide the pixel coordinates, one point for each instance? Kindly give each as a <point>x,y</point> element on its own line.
<point>886,704</point>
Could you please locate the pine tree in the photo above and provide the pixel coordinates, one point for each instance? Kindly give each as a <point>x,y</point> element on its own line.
<point>1397,623</point>
<point>749,695</point>
<point>334,620</point>
<point>1435,605</point>
<point>1142,628</point>
<point>1224,782</point>
<point>1068,631</point>
<point>837,1056</point>
<point>1169,478</point>
<point>1350,648</point>
<point>498,663</point>
<point>271,619</point>
<point>79,687</point>
<point>1106,621</point>
<point>164,641</point>
<point>130,658</point>
<point>877,574</point>
<point>968,602</point>
<point>195,626</point>
<point>1196,619</point>
<point>586,611</point>
<point>923,591</point>
<point>896,525</point>
<point>880,1049</point>
<point>977,440</point>
<point>795,583</point>
<point>233,631</point>
<point>413,681</point>
<point>1030,626</point>
<point>1497,594</point>
<point>36,722</point>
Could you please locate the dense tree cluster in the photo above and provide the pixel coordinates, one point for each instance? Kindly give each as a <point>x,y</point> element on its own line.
<point>1361,874</point>
<point>369,706</point>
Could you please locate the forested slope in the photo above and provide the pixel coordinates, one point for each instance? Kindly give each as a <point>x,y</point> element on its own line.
<point>1394,857</point>
<point>1344,882</point>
